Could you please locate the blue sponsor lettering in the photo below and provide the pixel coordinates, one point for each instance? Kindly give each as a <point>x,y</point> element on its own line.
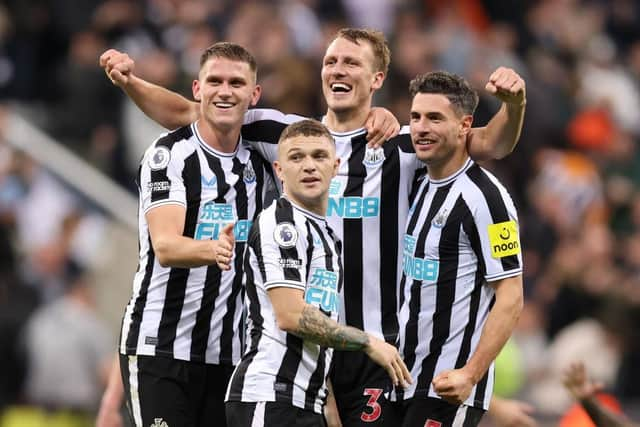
<point>211,230</point>
<point>354,207</point>
<point>420,269</point>
<point>322,290</point>
<point>409,244</point>
<point>217,212</point>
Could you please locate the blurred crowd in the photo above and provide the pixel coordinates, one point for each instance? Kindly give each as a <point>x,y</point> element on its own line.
<point>575,175</point>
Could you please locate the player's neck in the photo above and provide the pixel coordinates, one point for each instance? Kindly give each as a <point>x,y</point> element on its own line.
<point>316,206</point>
<point>346,121</point>
<point>218,139</point>
<point>445,169</point>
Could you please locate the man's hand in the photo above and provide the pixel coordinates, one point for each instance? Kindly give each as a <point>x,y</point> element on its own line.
<point>454,386</point>
<point>575,380</point>
<point>511,413</point>
<point>507,85</point>
<point>381,125</point>
<point>118,66</point>
<point>387,356</point>
<point>224,248</point>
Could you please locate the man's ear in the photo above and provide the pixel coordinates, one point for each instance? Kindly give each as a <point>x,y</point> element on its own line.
<point>465,125</point>
<point>255,96</point>
<point>195,88</point>
<point>378,80</point>
<point>336,166</point>
<point>278,169</point>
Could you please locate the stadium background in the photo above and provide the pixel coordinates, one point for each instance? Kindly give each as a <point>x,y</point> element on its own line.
<point>67,234</point>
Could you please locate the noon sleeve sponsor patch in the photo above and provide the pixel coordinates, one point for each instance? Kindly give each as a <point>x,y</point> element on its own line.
<point>504,239</point>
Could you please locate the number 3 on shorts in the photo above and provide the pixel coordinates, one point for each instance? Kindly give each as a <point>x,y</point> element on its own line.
<point>376,410</point>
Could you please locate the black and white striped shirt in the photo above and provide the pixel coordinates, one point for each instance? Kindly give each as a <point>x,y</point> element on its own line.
<point>461,234</point>
<point>193,314</point>
<point>288,247</point>
<point>368,205</point>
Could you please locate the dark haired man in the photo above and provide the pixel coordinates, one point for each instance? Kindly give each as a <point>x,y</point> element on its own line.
<point>462,264</point>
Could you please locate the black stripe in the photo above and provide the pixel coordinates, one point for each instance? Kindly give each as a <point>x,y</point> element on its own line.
<point>201,330</point>
<point>286,375</point>
<point>448,255</point>
<point>411,225</point>
<point>481,390</point>
<point>404,142</point>
<point>254,252</point>
<point>317,379</point>
<point>353,238</point>
<point>262,170</point>
<point>411,337</point>
<point>389,191</point>
<point>337,246</point>
<point>414,301</point>
<point>293,355</point>
<point>469,227</point>
<point>133,336</point>
<point>229,328</point>
<point>310,247</point>
<point>497,207</point>
<point>263,131</point>
<point>178,277</point>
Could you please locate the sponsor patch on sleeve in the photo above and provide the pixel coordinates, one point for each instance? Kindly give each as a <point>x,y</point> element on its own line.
<point>290,263</point>
<point>504,239</point>
<point>159,158</point>
<point>159,186</point>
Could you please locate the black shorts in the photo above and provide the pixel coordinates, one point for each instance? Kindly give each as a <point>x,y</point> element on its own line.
<point>361,388</point>
<point>271,414</point>
<point>432,412</point>
<point>179,393</point>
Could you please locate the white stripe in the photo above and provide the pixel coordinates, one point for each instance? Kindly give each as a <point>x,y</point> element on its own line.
<point>258,415</point>
<point>134,390</point>
<point>461,414</point>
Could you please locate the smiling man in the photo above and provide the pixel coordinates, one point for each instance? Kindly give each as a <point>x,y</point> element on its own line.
<point>200,188</point>
<point>462,264</point>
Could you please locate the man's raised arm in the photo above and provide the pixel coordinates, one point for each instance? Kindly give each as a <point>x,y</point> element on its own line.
<point>500,136</point>
<point>167,108</point>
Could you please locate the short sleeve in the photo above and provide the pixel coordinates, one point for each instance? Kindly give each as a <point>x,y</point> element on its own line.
<point>497,224</point>
<point>283,249</point>
<point>161,179</point>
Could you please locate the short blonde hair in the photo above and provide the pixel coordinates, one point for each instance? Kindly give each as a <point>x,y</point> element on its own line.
<point>376,39</point>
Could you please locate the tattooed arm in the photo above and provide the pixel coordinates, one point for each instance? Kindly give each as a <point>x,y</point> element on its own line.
<point>316,327</point>
<point>297,317</point>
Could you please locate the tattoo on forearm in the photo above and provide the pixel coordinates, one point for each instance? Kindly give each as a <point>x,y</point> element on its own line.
<point>315,326</point>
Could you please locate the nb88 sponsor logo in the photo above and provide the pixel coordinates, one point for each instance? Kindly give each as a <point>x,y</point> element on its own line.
<point>354,207</point>
<point>211,230</point>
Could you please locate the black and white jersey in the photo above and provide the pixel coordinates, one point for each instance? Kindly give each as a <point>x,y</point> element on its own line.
<point>288,247</point>
<point>368,205</point>
<point>193,314</point>
<point>461,234</point>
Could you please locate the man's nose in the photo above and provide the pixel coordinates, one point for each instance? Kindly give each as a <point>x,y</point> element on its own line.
<point>308,164</point>
<point>224,89</point>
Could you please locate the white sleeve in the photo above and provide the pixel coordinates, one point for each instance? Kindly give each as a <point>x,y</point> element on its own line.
<point>161,178</point>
